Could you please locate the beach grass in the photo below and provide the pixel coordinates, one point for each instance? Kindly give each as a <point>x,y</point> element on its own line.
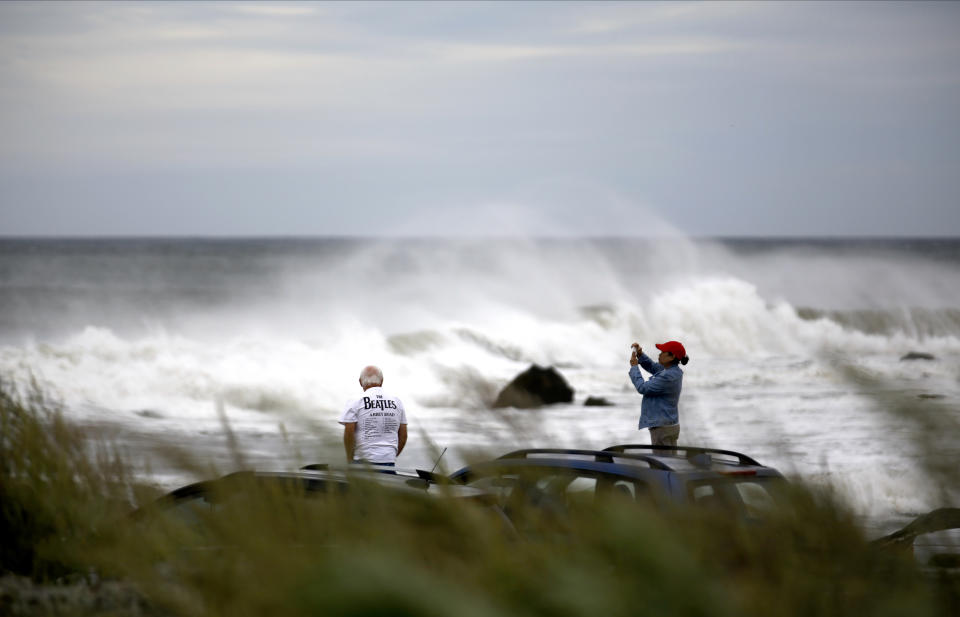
<point>68,535</point>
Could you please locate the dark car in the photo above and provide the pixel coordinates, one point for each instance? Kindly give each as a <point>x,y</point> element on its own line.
<point>196,505</point>
<point>556,479</point>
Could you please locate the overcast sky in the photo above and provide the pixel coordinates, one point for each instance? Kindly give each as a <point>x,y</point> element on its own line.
<point>459,118</point>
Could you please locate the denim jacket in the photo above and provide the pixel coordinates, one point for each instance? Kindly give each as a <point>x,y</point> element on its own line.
<point>661,393</point>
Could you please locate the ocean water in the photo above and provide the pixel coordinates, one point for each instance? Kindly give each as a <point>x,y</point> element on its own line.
<point>795,347</point>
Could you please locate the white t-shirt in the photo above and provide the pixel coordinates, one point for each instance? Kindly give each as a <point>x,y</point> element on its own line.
<point>378,417</point>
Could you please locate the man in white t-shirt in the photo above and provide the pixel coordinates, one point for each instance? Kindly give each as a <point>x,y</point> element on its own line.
<point>375,425</point>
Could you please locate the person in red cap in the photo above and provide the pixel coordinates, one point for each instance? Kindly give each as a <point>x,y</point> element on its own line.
<point>659,410</point>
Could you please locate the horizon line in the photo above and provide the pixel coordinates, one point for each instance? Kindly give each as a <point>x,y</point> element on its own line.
<point>343,236</point>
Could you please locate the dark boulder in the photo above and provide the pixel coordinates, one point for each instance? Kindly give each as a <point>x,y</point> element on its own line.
<point>918,355</point>
<point>535,387</point>
<point>597,401</point>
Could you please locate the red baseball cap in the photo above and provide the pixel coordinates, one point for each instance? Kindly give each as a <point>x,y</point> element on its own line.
<point>673,347</point>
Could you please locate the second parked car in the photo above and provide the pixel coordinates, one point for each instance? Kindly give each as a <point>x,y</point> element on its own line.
<point>556,478</point>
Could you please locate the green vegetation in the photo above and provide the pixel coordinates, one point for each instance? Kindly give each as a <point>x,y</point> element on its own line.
<point>65,507</point>
<point>55,487</point>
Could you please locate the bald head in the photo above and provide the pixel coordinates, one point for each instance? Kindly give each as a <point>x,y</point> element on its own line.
<point>371,377</point>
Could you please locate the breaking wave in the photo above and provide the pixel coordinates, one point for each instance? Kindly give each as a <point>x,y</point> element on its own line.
<point>268,372</point>
<point>912,322</point>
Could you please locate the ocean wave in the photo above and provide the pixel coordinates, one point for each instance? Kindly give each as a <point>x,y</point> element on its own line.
<point>913,322</point>
<point>455,362</point>
<point>411,343</point>
<point>499,348</point>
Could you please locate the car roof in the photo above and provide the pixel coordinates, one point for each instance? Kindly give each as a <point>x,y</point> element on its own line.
<point>428,476</point>
<point>405,480</point>
<point>632,459</point>
<point>697,455</point>
<point>319,477</point>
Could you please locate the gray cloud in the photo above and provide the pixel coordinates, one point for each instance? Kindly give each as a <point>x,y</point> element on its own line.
<point>711,118</point>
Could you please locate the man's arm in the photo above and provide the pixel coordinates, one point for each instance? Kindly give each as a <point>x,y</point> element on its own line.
<point>401,438</point>
<point>349,438</point>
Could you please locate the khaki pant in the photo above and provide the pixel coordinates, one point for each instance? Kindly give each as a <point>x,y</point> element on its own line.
<point>664,435</point>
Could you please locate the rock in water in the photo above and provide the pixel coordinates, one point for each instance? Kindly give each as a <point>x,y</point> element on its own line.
<point>534,387</point>
<point>597,401</point>
<point>917,355</point>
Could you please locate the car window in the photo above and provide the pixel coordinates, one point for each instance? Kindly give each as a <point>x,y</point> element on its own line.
<point>537,484</point>
<point>713,496</point>
<point>189,510</point>
<point>500,485</point>
<point>584,487</point>
<point>561,482</point>
<point>624,488</point>
<point>705,491</point>
<point>754,497</point>
<point>631,490</point>
<point>581,490</point>
<point>559,487</point>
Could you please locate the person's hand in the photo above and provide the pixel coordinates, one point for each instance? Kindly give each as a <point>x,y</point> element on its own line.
<point>636,349</point>
<point>633,358</point>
